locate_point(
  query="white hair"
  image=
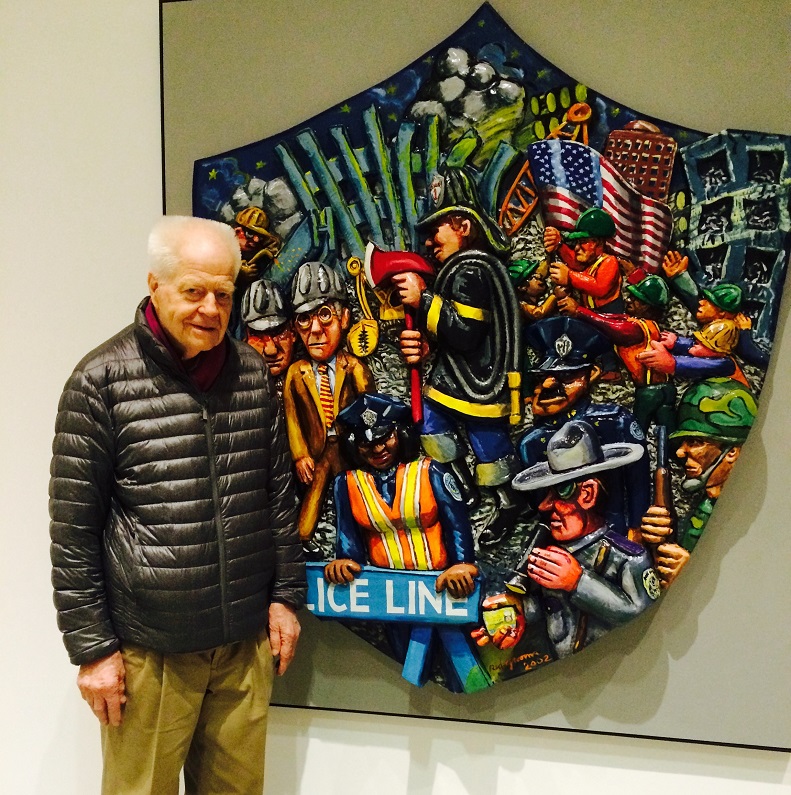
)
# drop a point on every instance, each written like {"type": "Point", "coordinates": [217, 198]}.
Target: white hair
{"type": "Point", "coordinates": [171, 232]}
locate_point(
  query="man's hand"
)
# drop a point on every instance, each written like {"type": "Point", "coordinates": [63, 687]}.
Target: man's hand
{"type": "Point", "coordinates": [554, 568]}
{"type": "Point", "coordinates": [552, 239]}
{"type": "Point", "coordinates": [414, 347]}
{"type": "Point", "coordinates": [102, 685]}
{"type": "Point", "coordinates": [341, 571]}
{"type": "Point", "coordinates": [568, 306]}
{"type": "Point", "coordinates": [673, 264]}
{"type": "Point", "coordinates": [504, 622]}
{"type": "Point", "coordinates": [670, 559]}
{"type": "Point", "coordinates": [458, 580]}
{"type": "Point", "coordinates": [658, 358]}
{"type": "Point", "coordinates": [668, 339]}
{"type": "Point", "coordinates": [657, 525]}
{"type": "Point", "coordinates": [283, 634]}
{"type": "Point", "coordinates": [559, 273]}
{"type": "Point", "coordinates": [410, 288]}
{"type": "Point", "coordinates": [305, 467]}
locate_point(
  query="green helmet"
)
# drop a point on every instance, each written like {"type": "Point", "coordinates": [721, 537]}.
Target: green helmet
{"type": "Point", "coordinates": [721, 409]}
{"type": "Point", "coordinates": [520, 270]}
{"type": "Point", "coordinates": [651, 290]}
{"type": "Point", "coordinates": [725, 296]}
{"type": "Point", "coordinates": [593, 223]}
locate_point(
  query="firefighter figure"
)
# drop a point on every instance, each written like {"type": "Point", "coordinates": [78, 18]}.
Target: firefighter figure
{"type": "Point", "coordinates": [470, 317]}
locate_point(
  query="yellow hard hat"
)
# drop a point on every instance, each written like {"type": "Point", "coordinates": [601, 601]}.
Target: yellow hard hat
{"type": "Point", "coordinates": [721, 336]}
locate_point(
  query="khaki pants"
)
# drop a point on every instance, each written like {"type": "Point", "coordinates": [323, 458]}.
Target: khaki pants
{"type": "Point", "coordinates": [205, 712]}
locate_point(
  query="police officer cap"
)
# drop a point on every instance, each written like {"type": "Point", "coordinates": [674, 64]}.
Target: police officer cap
{"type": "Point", "coordinates": [373, 416]}
{"type": "Point", "coordinates": [565, 344]}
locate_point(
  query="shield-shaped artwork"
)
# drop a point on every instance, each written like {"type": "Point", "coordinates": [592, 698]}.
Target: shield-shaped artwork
{"type": "Point", "coordinates": [519, 332]}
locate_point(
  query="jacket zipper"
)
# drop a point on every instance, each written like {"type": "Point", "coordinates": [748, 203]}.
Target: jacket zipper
{"type": "Point", "coordinates": [215, 494]}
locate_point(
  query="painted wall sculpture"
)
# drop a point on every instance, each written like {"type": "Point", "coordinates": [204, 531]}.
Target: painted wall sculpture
{"type": "Point", "coordinates": [519, 332]}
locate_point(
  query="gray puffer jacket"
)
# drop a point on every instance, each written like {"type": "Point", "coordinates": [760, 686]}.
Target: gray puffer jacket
{"type": "Point", "coordinates": [173, 510]}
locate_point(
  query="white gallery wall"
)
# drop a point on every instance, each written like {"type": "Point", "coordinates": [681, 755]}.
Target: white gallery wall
{"type": "Point", "coordinates": [80, 171]}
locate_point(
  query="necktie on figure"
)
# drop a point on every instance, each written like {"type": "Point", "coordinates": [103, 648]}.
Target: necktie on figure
{"type": "Point", "coordinates": [325, 394]}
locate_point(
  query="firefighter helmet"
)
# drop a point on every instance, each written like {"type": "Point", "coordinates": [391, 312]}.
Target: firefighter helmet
{"type": "Point", "coordinates": [254, 219]}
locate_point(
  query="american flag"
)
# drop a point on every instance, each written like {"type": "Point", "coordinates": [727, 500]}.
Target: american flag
{"type": "Point", "coordinates": [571, 177]}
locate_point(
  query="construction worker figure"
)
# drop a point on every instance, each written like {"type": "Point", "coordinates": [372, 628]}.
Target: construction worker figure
{"type": "Point", "coordinates": [319, 387]}
{"type": "Point", "coordinates": [530, 281]}
{"type": "Point", "coordinates": [588, 269]}
{"type": "Point", "coordinates": [723, 301]}
{"type": "Point", "coordinates": [592, 578]}
{"type": "Point", "coordinates": [714, 418]}
{"type": "Point", "coordinates": [632, 334]}
{"type": "Point", "coordinates": [471, 317]}
{"type": "Point", "coordinates": [568, 351]}
{"type": "Point", "coordinates": [706, 354]}
{"type": "Point", "coordinates": [268, 327]}
{"type": "Point", "coordinates": [586, 266]}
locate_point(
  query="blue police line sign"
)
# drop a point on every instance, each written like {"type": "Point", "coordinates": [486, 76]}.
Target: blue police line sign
{"type": "Point", "coordinates": [389, 595]}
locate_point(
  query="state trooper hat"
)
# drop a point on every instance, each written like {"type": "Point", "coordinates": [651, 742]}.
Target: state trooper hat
{"type": "Point", "coordinates": [574, 453]}
{"type": "Point", "coordinates": [565, 344]}
{"type": "Point", "coordinates": [373, 416]}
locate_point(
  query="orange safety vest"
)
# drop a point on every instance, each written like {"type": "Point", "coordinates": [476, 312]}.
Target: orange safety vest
{"type": "Point", "coordinates": [408, 535]}
{"type": "Point", "coordinates": [641, 375]}
{"type": "Point", "coordinates": [615, 291]}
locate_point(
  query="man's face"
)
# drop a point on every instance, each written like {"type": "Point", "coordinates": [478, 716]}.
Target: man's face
{"type": "Point", "coordinates": [707, 311]}
{"type": "Point", "coordinates": [536, 285]}
{"type": "Point", "coordinates": [194, 304]}
{"type": "Point", "coordinates": [275, 345]}
{"type": "Point", "coordinates": [321, 331]}
{"type": "Point", "coordinates": [380, 454]}
{"type": "Point", "coordinates": [249, 241]}
{"type": "Point", "coordinates": [446, 240]}
{"type": "Point", "coordinates": [587, 251]}
{"type": "Point", "coordinates": [558, 392]}
{"type": "Point", "coordinates": [697, 454]}
{"type": "Point", "coordinates": [567, 518]}
{"type": "Point", "coordinates": [634, 306]}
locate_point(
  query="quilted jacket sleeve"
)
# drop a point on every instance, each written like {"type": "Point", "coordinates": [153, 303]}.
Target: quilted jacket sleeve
{"type": "Point", "coordinates": [80, 492]}
{"type": "Point", "coordinates": [289, 584]}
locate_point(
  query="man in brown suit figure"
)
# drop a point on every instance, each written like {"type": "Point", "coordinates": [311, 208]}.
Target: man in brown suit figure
{"type": "Point", "coordinates": [319, 387]}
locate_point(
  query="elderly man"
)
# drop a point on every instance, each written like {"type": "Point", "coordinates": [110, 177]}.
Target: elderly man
{"type": "Point", "coordinates": [176, 563]}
